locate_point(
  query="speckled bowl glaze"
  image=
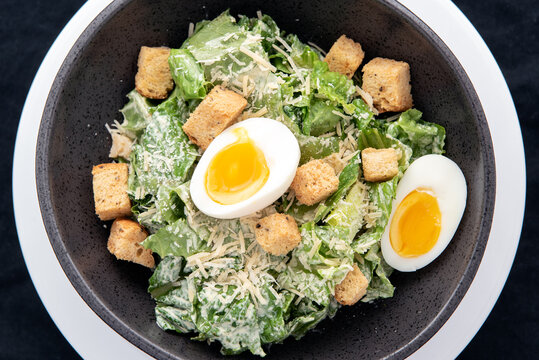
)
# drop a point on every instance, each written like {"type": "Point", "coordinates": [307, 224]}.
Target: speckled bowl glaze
{"type": "Point", "coordinates": [90, 88]}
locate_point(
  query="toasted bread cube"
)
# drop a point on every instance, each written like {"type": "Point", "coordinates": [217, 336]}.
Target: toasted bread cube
{"type": "Point", "coordinates": [219, 109]}
{"type": "Point", "coordinates": [124, 243]}
{"type": "Point", "coordinates": [314, 181]}
{"type": "Point", "coordinates": [110, 191]}
{"type": "Point", "coordinates": [352, 288]}
{"type": "Point", "coordinates": [379, 164]}
{"type": "Point", "coordinates": [277, 234]}
{"type": "Point", "coordinates": [153, 79]}
{"type": "Point", "coordinates": [388, 82]}
{"type": "Point", "coordinates": [345, 56]}
{"type": "Point", "coordinates": [121, 146]}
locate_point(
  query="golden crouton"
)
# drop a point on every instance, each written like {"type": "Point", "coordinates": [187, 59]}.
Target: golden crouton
{"type": "Point", "coordinates": [277, 234]}
{"type": "Point", "coordinates": [379, 164]}
{"type": "Point", "coordinates": [153, 79]}
{"type": "Point", "coordinates": [124, 243]}
{"type": "Point", "coordinates": [110, 191]}
{"type": "Point", "coordinates": [314, 181]}
{"type": "Point", "coordinates": [345, 56]}
{"type": "Point", "coordinates": [121, 146]}
{"type": "Point", "coordinates": [388, 82]}
{"type": "Point", "coordinates": [352, 288]}
{"type": "Point", "coordinates": [219, 109]}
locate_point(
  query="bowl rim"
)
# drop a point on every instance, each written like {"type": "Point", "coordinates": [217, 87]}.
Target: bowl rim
{"type": "Point", "coordinates": [382, 2]}
{"type": "Point", "coordinates": [139, 340]}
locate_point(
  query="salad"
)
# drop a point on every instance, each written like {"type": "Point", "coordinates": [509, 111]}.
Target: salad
{"type": "Point", "coordinates": [277, 271]}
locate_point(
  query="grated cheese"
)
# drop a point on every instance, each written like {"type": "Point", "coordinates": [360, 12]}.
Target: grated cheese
{"type": "Point", "coordinates": [191, 29]}
{"type": "Point", "coordinates": [368, 99]}
{"type": "Point", "coordinates": [338, 113]}
{"type": "Point", "coordinates": [317, 48]}
{"type": "Point", "coordinates": [258, 59]}
{"type": "Point", "coordinates": [291, 62]}
{"type": "Point", "coordinates": [236, 60]}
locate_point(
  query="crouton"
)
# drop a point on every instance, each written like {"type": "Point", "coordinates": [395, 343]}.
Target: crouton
{"type": "Point", "coordinates": [388, 82]}
{"type": "Point", "coordinates": [153, 79]}
{"type": "Point", "coordinates": [124, 243]}
{"type": "Point", "coordinates": [379, 164]}
{"type": "Point", "coordinates": [352, 288]}
{"type": "Point", "coordinates": [121, 146]}
{"type": "Point", "coordinates": [345, 56]}
{"type": "Point", "coordinates": [314, 181]}
{"type": "Point", "coordinates": [277, 234]}
{"type": "Point", "coordinates": [110, 191]}
{"type": "Point", "coordinates": [219, 109]}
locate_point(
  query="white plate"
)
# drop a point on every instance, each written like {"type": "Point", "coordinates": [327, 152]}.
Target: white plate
{"type": "Point", "coordinates": [83, 328]}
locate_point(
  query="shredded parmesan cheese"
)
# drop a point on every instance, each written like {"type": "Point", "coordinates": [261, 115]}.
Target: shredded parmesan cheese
{"type": "Point", "coordinates": [338, 113]}
{"type": "Point", "coordinates": [317, 48]}
{"type": "Point", "coordinates": [368, 99]}
{"type": "Point", "coordinates": [258, 59]}
{"type": "Point", "coordinates": [191, 29]}
{"type": "Point", "coordinates": [291, 62]}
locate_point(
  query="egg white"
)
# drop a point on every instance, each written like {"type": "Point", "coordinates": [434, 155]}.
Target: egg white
{"type": "Point", "coordinates": [282, 154]}
{"type": "Point", "coordinates": [445, 179]}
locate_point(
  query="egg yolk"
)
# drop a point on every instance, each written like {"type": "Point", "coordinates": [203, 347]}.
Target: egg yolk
{"type": "Point", "coordinates": [236, 172]}
{"type": "Point", "coordinates": [416, 224]}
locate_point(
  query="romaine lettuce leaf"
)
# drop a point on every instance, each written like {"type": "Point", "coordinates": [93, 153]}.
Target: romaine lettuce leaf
{"type": "Point", "coordinates": [177, 239]}
{"type": "Point", "coordinates": [187, 74]}
{"type": "Point", "coordinates": [349, 211]}
{"type": "Point", "coordinates": [313, 147]}
{"type": "Point", "coordinates": [137, 113]}
{"type": "Point", "coordinates": [423, 137]}
{"type": "Point", "coordinates": [308, 314]}
{"type": "Point", "coordinates": [164, 155]}
{"type": "Point", "coordinates": [373, 266]}
{"type": "Point", "coordinates": [320, 262]}
{"type": "Point", "coordinates": [333, 86]}
{"type": "Point", "coordinates": [347, 178]}
{"type": "Point", "coordinates": [320, 118]}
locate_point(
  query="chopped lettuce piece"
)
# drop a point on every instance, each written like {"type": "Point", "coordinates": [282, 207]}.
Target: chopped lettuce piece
{"type": "Point", "coordinates": [333, 86]}
{"type": "Point", "coordinates": [373, 266]}
{"type": "Point", "coordinates": [187, 74]}
{"type": "Point", "coordinates": [320, 262]}
{"type": "Point", "coordinates": [177, 239]}
{"type": "Point", "coordinates": [137, 113]}
{"type": "Point", "coordinates": [321, 118]}
{"type": "Point", "coordinates": [313, 147]}
{"type": "Point", "coordinates": [164, 155]}
{"type": "Point", "coordinates": [423, 137]}
{"type": "Point", "coordinates": [349, 212]}
{"type": "Point", "coordinates": [347, 178]}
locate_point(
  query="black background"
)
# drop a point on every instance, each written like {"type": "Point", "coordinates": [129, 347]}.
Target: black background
{"type": "Point", "coordinates": [510, 29]}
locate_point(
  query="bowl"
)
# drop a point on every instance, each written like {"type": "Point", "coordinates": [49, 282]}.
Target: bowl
{"type": "Point", "coordinates": [90, 88]}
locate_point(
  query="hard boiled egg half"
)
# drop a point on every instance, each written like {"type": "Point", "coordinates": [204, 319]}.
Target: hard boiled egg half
{"type": "Point", "coordinates": [426, 212]}
{"type": "Point", "coordinates": [245, 169]}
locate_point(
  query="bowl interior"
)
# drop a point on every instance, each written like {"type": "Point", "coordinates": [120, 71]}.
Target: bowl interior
{"type": "Point", "coordinates": [91, 87]}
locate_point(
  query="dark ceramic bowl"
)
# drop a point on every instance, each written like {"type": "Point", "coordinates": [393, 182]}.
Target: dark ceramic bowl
{"type": "Point", "coordinates": [91, 86]}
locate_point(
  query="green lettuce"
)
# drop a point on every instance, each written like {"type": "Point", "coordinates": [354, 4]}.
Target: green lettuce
{"type": "Point", "coordinates": [373, 266]}
{"type": "Point", "coordinates": [163, 155]}
{"type": "Point", "coordinates": [333, 86]}
{"type": "Point", "coordinates": [187, 74]}
{"type": "Point", "coordinates": [320, 118]}
{"type": "Point", "coordinates": [313, 147]}
{"type": "Point", "coordinates": [423, 137]}
{"type": "Point", "coordinates": [137, 113]}
{"type": "Point", "coordinates": [176, 239]}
